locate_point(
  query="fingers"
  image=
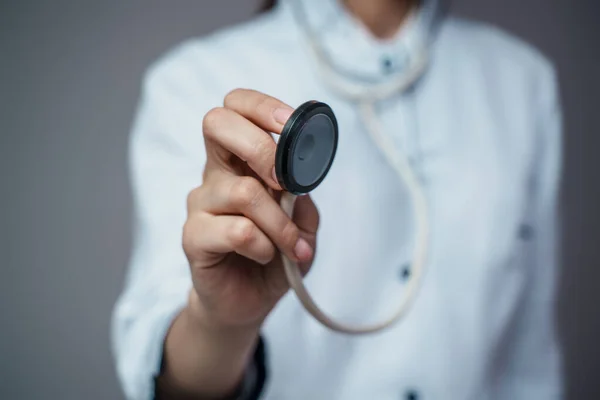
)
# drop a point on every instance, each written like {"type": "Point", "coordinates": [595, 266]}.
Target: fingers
{"type": "Point", "coordinates": [227, 132]}
{"type": "Point", "coordinates": [207, 234]}
{"type": "Point", "coordinates": [238, 131]}
{"type": "Point", "coordinates": [227, 194]}
{"type": "Point", "coordinates": [265, 111]}
{"type": "Point", "coordinates": [239, 128]}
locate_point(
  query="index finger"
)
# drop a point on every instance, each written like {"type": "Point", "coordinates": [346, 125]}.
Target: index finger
{"type": "Point", "coordinates": [264, 111]}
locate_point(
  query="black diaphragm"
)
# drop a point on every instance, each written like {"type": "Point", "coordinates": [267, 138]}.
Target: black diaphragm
{"type": "Point", "coordinates": [306, 147]}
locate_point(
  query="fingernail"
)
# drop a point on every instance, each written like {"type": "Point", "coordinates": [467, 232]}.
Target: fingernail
{"type": "Point", "coordinates": [302, 250]}
{"type": "Point", "coordinates": [274, 175]}
{"type": "Point", "coordinates": [281, 115]}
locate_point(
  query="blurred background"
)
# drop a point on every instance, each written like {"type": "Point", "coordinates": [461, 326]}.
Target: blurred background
{"type": "Point", "coordinates": [70, 76]}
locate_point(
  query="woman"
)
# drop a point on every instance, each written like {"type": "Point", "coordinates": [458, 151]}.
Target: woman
{"type": "Point", "coordinates": [480, 125]}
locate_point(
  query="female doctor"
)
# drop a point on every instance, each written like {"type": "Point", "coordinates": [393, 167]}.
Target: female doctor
{"type": "Point", "coordinates": [207, 312]}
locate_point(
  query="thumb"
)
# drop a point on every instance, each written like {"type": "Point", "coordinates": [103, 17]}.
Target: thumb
{"type": "Point", "coordinates": [306, 215]}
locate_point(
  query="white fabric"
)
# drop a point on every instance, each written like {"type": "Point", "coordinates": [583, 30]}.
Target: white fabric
{"type": "Point", "coordinates": [482, 131]}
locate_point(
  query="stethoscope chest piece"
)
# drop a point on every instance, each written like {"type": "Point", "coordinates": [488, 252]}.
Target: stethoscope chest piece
{"type": "Point", "coordinates": [306, 147]}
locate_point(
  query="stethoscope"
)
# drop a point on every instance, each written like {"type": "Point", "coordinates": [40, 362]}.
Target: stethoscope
{"type": "Point", "coordinates": [306, 150]}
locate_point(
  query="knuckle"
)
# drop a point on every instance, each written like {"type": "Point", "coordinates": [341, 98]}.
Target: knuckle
{"type": "Point", "coordinates": [212, 120]}
{"type": "Point", "coordinates": [246, 192]}
{"type": "Point", "coordinates": [242, 233]}
{"type": "Point", "coordinates": [193, 197]}
{"type": "Point", "coordinates": [189, 237]}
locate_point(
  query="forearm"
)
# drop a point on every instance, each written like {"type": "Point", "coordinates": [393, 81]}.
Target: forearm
{"type": "Point", "coordinates": [203, 359]}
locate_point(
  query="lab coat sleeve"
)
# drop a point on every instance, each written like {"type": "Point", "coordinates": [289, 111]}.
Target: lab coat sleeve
{"type": "Point", "coordinates": [533, 365]}
{"type": "Point", "coordinates": [166, 162]}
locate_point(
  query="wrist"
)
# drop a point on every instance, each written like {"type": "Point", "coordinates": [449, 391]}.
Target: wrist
{"type": "Point", "coordinates": [205, 357]}
{"type": "Point", "coordinates": [238, 341]}
{"type": "Point", "coordinates": [203, 319]}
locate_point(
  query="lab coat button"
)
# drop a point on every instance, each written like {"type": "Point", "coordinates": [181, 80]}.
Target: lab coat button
{"type": "Point", "coordinates": [525, 232]}
{"type": "Point", "coordinates": [405, 271]}
{"type": "Point", "coordinates": [387, 64]}
{"type": "Point", "coordinates": [411, 395]}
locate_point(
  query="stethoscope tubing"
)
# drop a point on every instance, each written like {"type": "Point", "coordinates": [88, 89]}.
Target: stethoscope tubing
{"type": "Point", "coordinates": [365, 98]}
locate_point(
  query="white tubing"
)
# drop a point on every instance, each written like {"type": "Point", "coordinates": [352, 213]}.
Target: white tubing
{"type": "Point", "coordinates": [365, 97]}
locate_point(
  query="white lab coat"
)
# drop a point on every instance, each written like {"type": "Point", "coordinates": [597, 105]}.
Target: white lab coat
{"type": "Point", "coordinates": [482, 131]}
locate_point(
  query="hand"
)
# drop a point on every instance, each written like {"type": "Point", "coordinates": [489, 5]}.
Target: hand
{"type": "Point", "coordinates": [235, 226]}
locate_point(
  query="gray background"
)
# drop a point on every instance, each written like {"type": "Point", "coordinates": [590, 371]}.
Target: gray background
{"type": "Point", "coordinates": [69, 80]}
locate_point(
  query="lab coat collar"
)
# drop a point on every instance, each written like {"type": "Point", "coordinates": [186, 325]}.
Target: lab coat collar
{"type": "Point", "coordinates": [353, 50]}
